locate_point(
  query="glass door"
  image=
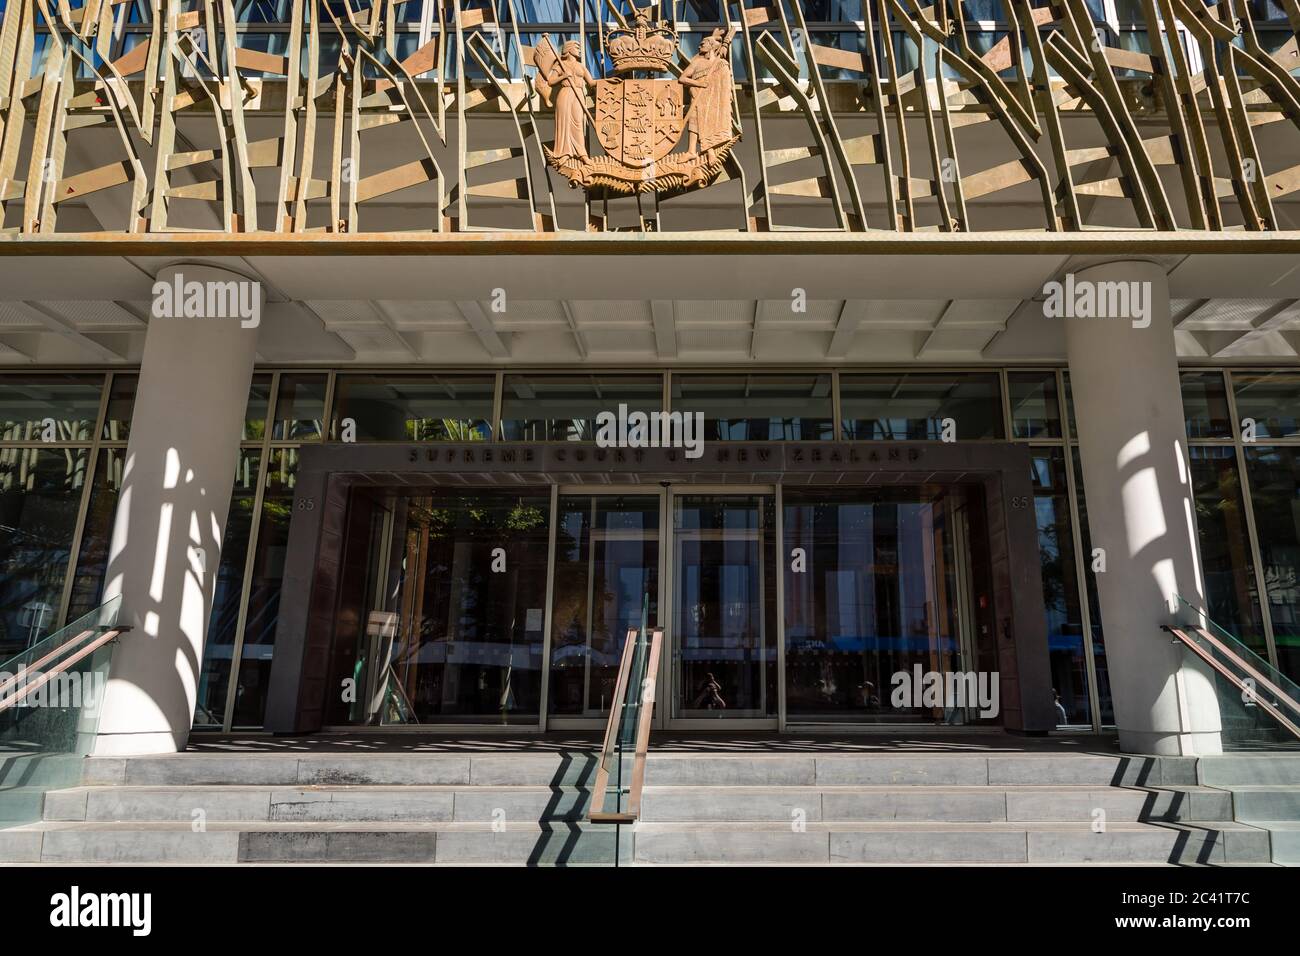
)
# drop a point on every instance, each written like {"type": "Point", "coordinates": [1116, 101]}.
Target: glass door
{"type": "Point", "coordinates": [606, 577]}
{"type": "Point", "coordinates": [441, 614]}
{"type": "Point", "coordinates": [881, 603]}
{"type": "Point", "coordinates": [723, 623]}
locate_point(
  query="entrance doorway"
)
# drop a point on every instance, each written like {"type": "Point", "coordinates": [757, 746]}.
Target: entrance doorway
{"type": "Point", "coordinates": [781, 606]}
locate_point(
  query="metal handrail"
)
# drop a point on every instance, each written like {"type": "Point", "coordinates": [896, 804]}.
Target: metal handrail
{"type": "Point", "coordinates": [38, 664]}
{"type": "Point", "coordinates": [1269, 707]}
{"type": "Point", "coordinates": [46, 676]}
{"type": "Point", "coordinates": [616, 715]}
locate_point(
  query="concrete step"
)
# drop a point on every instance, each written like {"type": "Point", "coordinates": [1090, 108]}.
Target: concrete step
{"type": "Point", "coordinates": [521, 808]}
{"type": "Point", "coordinates": [693, 770]}
{"type": "Point", "coordinates": [1285, 836]}
{"type": "Point", "coordinates": [920, 804]}
{"type": "Point", "coordinates": [29, 769]}
{"type": "Point", "coordinates": [369, 804]}
{"type": "Point", "coordinates": [578, 768]}
{"type": "Point", "coordinates": [20, 805]}
{"type": "Point", "coordinates": [660, 804]}
{"type": "Point", "coordinates": [559, 844]}
{"type": "Point", "coordinates": [1250, 769]}
{"type": "Point", "coordinates": [654, 843]}
{"type": "Point", "coordinates": [1266, 802]}
{"type": "Point", "coordinates": [993, 843]}
{"type": "Point", "coordinates": [190, 769]}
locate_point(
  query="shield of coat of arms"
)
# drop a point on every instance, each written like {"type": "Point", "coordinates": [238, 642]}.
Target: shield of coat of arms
{"type": "Point", "coordinates": [638, 122]}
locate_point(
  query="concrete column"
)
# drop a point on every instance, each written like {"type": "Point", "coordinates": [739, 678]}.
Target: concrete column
{"type": "Point", "coordinates": [1124, 377]}
{"type": "Point", "coordinates": [167, 535]}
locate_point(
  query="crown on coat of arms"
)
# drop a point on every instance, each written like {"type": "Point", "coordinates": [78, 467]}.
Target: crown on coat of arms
{"type": "Point", "coordinates": [645, 45]}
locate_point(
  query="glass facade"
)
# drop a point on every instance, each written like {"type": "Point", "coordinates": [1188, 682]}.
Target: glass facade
{"type": "Point", "coordinates": [61, 450]}
{"type": "Point", "coordinates": [758, 407]}
{"type": "Point", "coordinates": [285, 410]}
{"type": "Point", "coordinates": [62, 456]}
{"type": "Point", "coordinates": [921, 406]}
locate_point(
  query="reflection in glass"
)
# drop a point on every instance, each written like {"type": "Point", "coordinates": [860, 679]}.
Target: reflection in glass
{"type": "Point", "coordinates": [606, 566]}
{"type": "Point", "coordinates": [564, 407]}
{"type": "Point", "coordinates": [919, 406]}
{"type": "Point", "coordinates": [1035, 412]}
{"type": "Point", "coordinates": [218, 650]}
{"type": "Point", "coordinates": [264, 588]}
{"type": "Point", "coordinates": [758, 407]}
{"type": "Point", "coordinates": [1271, 400]}
{"type": "Point", "coordinates": [1275, 496]}
{"type": "Point", "coordinates": [1205, 405]}
{"type": "Point", "coordinates": [40, 495]}
{"type": "Point", "coordinates": [883, 586]}
{"type": "Point", "coordinates": [259, 403]}
{"type": "Point", "coordinates": [121, 403]}
{"type": "Point", "coordinates": [300, 408]}
{"type": "Point", "coordinates": [452, 630]}
{"type": "Point", "coordinates": [414, 407]}
{"type": "Point", "coordinates": [1060, 588]}
{"type": "Point", "coordinates": [36, 407]}
{"type": "Point", "coordinates": [1231, 595]}
{"type": "Point", "coordinates": [1104, 704]}
{"type": "Point", "coordinates": [724, 606]}
{"type": "Point", "coordinates": [96, 536]}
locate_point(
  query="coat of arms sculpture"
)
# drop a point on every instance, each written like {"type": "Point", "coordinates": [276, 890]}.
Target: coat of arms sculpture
{"type": "Point", "coordinates": [640, 121]}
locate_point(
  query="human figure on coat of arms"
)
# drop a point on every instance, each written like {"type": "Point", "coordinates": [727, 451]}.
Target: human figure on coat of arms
{"type": "Point", "coordinates": [572, 78]}
{"type": "Point", "coordinates": [708, 77]}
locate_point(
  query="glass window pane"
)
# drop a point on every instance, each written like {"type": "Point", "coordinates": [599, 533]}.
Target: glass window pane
{"type": "Point", "coordinates": [564, 407]}
{"type": "Point", "coordinates": [40, 494]}
{"type": "Point", "coordinates": [264, 588]}
{"type": "Point", "coordinates": [259, 402]}
{"type": "Point", "coordinates": [300, 408]}
{"type": "Point", "coordinates": [1060, 588]}
{"type": "Point", "coordinates": [1275, 496]}
{"type": "Point", "coordinates": [1271, 400]}
{"type": "Point", "coordinates": [454, 632]}
{"type": "Point", "coordinates": [65, 406]}
{"type": "Point", "coordinates": [210, 710]}
{"type": "Point", "coordinates": [96, 536]}
{"type": "Point", "coordinates": [1104, 703]}
{"type": "Point", "coordinates": [1205, 405]}
{"type": "Point", "coordinates": [414, 407]}
{"type": "Point", "coordinates": [1231, 595]}
{"type": "Point", "coordinates": [1035, 412]}
{"type": "Point", "coordinates": [758, 407]}
{"type": "Point", "coordinates": [121, 403]}
{"type": "Point", "coordinates": [1069, 407]}
{"type": "Point", "coordinates": [924, 406]}
{"type": "Point", "coordinates": [880, 593]}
